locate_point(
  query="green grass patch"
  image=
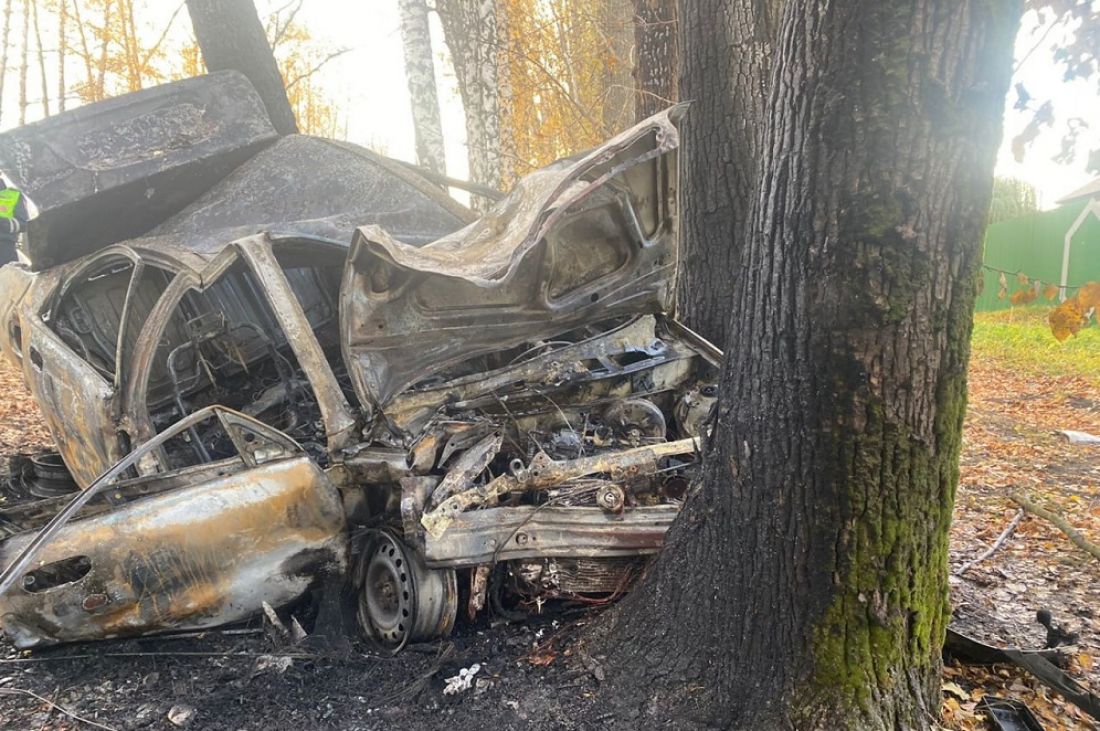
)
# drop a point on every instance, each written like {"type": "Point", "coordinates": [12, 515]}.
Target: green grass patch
{"type": "Point", "coordinates": [1021, 338]}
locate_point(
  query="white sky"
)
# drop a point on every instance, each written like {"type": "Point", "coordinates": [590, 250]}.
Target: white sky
{"type": "Point", "coordinates": [1071, 99]}
{"type": "Point", "coordinates": [368, 83]}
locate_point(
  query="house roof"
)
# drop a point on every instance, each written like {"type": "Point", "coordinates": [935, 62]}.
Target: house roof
{"type": "Point", "coordinates": [1088, 190]}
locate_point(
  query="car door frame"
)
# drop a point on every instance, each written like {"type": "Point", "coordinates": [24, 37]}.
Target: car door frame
{"type": "Point", "coordinates": [82, 408]}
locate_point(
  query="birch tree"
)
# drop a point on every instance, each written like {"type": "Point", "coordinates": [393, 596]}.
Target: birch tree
{"type": "Point", "coordinates": [474, 36]}
{"type": "Point", "coordinates": [420, 74]}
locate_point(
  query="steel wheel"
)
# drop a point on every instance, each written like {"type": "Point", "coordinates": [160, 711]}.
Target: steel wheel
{"type": "Point", "coordinates": [400, 600]}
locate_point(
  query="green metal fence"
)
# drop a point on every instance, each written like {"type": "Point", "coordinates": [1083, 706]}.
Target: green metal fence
{"type": "Point", "coordinates": [1033, 245]}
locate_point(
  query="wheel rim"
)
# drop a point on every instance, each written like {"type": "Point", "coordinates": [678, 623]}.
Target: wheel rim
{"type": "Point", "coordinates": [400, 600]}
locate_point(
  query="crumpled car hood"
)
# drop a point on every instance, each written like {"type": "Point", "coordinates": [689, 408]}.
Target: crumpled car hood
{"type": "Point", "coordinates": [584, 239]}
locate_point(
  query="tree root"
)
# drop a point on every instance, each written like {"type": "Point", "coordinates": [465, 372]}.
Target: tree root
{"type": "Point", "coordinates": [1059, 522]}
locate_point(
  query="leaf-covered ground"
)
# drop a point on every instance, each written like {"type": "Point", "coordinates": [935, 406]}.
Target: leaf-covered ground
{"type": "Point", "coordinates": [1024, 386]}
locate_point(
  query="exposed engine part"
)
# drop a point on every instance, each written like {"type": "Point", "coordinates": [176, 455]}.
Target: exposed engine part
{"type": "Point", "coordinates": [675, 487]}
{"type": "Point", "coordinates": [468, 466]}
{"type": "Point", "coordinates": [578, 491]}
{"type": "Point", "coordinates": [575, 577]}
{"type": "Point", "coordinates": [636, 421]}
{"type": "Point", "coordinates": [611, 498]}
{"type": "Point", "coordinates": [399, 599]}
{"type": "Point", "coordinates": [543, 472]}
{"type": "Point", "coordinates": [695, 409]}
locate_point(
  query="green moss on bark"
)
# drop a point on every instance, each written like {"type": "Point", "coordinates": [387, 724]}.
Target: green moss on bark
{"type": "Point", "coordinates": [888, 616]}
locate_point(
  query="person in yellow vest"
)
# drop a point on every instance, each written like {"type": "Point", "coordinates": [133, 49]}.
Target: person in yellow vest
{"type": "Point", "coordinates": [16, 211]}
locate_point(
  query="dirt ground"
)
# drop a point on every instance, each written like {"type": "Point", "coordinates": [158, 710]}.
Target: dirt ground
{"type": "Point", "coordinates": [246, 680]}
{"type": "Point", "coordinates": [1011, 442]}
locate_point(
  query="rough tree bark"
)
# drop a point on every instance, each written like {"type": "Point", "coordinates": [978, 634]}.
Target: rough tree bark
{"type": "Point", "coordinates": [805, 584]}
{"type": "Point", "coordinates": [231, 36]}
{"type": "Point", "coordinates": [472, 29]}
{"type": "Point", "coordinates": [420, 74]}
{"type": "Point", "coordinates": [733, 42]}
{"type": "Point", "coordinates": [656, 56]}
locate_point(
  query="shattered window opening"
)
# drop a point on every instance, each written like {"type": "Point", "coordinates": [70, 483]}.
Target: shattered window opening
{"type": "Point", "coordinates": [223, 345]}
{"type": "Point", "coordinates": [101, 314]}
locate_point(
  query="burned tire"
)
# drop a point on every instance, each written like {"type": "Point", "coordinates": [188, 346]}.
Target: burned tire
{"type": "Point", "coordinates": [399, 600]}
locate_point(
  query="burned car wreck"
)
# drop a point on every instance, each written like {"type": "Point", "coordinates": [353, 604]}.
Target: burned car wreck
{"type": "Point", "coordinates": [316, 363]}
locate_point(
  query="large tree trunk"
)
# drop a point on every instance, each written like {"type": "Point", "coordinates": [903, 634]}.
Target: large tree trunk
{"type": "Point", "coordinates": [656, 56]}
{"type": "Point", "coordinates": [473, 31]}
{"type": "Point", "coordinates": [420, 74]}
{"type": "Point", "coordinates": [725, 77]}
{"type": "Point", "coordinates": [805, 584]}
{"type": "Point", "coordinates": [231, 36]}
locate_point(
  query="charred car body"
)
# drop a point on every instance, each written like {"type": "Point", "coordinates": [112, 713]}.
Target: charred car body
{"type": "Point", "coordinates": [297, 358]}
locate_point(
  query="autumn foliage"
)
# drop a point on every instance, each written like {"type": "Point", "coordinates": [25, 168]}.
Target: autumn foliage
{"type": "Point", "coordinates": [84, 51]}
{"type": "Point", "coordinates": [1068, 317]}
{"type": "Point", "coordinates": [565, 74]}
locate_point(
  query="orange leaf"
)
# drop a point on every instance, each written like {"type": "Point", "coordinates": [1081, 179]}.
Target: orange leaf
{"type": "Point", "coordinates": [1051, 291]}
{"type": "Point", "coordinates": [1066, 319]}
{"type": "Point", "coordinates": [1089, 295]}
{"type": "Point", "coordinates": [1022, 296]}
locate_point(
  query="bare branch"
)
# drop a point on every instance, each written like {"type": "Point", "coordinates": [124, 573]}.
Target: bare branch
{"type": "Point", "coordinates": [1059, 522]}
{"type": "Point", "coordinates": [996, 544]}
{"type": "Point", "coordinates": [305, 75]}
{"type": "Point", "coordinates": [280, 30]}
{"type": "Point", "coordinates": [164, 34]}
{"type": "Point", "coordinates": [47, 701]}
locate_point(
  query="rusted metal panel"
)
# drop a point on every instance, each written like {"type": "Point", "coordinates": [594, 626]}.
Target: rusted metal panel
{"type": "Point", "coordinates": [76, 401]}
{"type": "Point", "coordinates": [502, 534]}
{"type": "Point", "coordinates": [335, 410]}
{"type": "Point", "coordinates": [192, 558]}
{"type": "Point", "coordinates": [578, 241]}
{"type": "Point", "coordinates": [544, 472]}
